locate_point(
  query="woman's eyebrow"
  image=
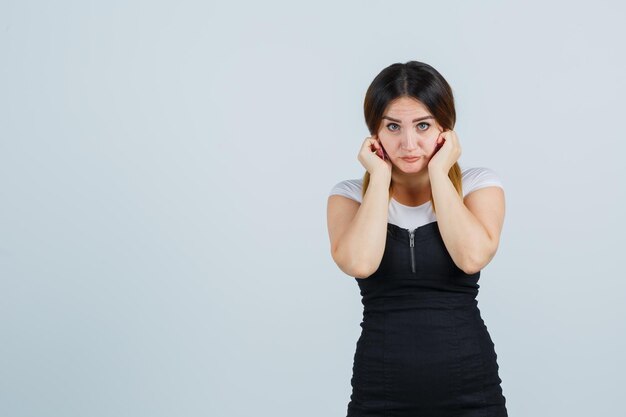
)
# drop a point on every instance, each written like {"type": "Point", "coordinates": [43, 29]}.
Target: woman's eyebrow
{"type": "Point", "coordinates": [414, 120]}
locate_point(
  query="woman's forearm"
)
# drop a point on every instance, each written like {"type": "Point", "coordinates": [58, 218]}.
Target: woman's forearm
{"type": "Point", "coordinates": [465, 238]}
{"type": "Point", "coordinates": [363, 244]}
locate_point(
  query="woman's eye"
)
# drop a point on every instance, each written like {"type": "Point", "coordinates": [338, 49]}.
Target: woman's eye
{"type": "Point", "coordinates": [392, 124]}
{"type": "Point", "coordinates": [427, 125]}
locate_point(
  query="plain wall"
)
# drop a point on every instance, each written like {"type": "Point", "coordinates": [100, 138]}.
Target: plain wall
{"type": "Point", "coordinates": [164, 172]}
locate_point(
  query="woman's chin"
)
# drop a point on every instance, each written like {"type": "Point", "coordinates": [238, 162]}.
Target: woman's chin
{"type": "Point", "coordinates": [411, 168]}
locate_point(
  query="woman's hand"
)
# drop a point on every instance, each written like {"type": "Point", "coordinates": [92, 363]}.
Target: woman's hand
{"type": "Point", "coordinates": [370, 159]}
{"type": "Point", "coordinates": [447, 155]}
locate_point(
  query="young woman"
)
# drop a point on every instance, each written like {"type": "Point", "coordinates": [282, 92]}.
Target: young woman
{"type": "Point", "coordinates": [415, 233]}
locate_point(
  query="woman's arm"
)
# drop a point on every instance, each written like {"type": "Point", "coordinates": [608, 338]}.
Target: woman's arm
{"type": "Point", "coordinates": [469, 227]}
{"type": "Point", "coordinates": [358, 246]}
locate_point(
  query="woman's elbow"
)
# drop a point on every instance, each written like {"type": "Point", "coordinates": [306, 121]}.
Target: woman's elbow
{"type": "Point", "coordinates": [350, 266]}
{"type": "Point", "coordinates": [478, 262]}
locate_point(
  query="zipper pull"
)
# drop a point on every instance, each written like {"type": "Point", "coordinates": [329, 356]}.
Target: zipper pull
{"type": "Point", "coordinates": [412, 244]}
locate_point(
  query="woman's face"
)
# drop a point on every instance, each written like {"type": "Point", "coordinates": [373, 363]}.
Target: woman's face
{"type": "Point", "coordinates": [408, 129]}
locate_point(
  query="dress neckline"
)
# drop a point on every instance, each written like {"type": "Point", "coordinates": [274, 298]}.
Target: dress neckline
{"type": "Point", "coordinates": [402, 233]}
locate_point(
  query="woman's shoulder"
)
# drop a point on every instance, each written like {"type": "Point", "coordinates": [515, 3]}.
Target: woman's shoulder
{"type": "Point", "coordinates": [350, 188]}
{"type": "Point", "coordinates": [475, 178]}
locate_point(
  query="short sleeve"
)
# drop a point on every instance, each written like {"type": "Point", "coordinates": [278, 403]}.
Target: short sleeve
{"type": "Point", "coordinates": [348, 188]}
{"type": "Point", "coordinates": [479, 177]}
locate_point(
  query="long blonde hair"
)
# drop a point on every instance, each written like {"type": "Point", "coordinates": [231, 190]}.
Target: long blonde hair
{"type": "Point", "coordinates": [419, 81]}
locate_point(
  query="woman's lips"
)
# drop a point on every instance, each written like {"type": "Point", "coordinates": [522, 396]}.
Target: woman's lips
{"type": "Point", "coordinates": [411, 159]}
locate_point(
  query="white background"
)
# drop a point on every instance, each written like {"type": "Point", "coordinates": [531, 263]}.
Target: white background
{"type": "Point", "coordinates": [164, 172]}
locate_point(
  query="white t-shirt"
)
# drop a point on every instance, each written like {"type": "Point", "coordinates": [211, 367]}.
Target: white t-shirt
{"type": "Point", "coordinates": [409, 217]}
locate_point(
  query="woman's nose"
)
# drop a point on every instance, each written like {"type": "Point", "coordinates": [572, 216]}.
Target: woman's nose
{"type": "Point", "coordinates": [410, 141]}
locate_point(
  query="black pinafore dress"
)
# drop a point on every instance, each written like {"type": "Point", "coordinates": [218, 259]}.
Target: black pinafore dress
{"type": "Point", "coordinates": [424, 349]}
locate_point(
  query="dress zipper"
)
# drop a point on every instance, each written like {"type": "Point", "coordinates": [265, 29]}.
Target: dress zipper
{"type": "Point", "coordinates": [412, 244]}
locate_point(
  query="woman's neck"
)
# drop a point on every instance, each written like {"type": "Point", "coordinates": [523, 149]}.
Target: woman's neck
{"type": "Point", "coordinates": [411, 189]}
